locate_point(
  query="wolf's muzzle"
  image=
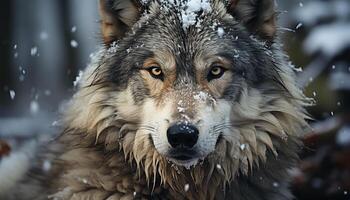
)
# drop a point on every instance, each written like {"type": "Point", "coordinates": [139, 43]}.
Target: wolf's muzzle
{"type": "Point", "coordinates": [182, 135]}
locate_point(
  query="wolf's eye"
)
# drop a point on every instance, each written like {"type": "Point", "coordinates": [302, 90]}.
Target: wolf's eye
{"type": "Point", "coordinates": [216, 72]}
{"type": "Point", "coordinates": [156, 72]}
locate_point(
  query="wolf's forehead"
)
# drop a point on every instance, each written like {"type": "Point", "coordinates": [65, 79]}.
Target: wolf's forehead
{"type": "Point", "coordinates": [182, 48]}
{"type": "Point", "coordinates": [179, 31]}
{"type": "Point", "coordinates": [186, 15]}
{"type": "Point", "coordinates": [188, 11]}
{"type": "Point", "coordinates": [185, 35]}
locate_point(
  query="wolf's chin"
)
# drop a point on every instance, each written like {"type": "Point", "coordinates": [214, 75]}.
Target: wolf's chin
{"type": "Point", "coordinates": [185, 163]}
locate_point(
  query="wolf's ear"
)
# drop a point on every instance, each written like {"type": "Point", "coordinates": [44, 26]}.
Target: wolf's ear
{"type": "Point", "coordinates": [259, 16]}
{"type": "Point", "coordinates": [117, 17]}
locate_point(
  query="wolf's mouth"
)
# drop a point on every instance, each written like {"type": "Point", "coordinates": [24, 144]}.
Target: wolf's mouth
{"type": "Point", "coordinates": [183, 156]}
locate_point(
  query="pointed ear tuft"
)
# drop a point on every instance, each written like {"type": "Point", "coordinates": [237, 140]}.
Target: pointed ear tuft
{"type": "Point", "coordinates": [259, 16]}
{"type": "Point", "coordinates": [117, 17]}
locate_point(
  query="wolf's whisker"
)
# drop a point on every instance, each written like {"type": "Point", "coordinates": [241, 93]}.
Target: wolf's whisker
{"type": "Point", "coordinates": [149, 127]}
{"type": "Point", "coordinates": [222, 128]}
{"type": "Point", "coordinates": [146, 129]}
{"type": "Point", "coordinates": [146, 125]}
{"type": "Point", "coordinates": [225, 123]}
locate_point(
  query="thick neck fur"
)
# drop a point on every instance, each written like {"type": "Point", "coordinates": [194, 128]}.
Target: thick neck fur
{"type": "Point", "coordinates": [105, 155]}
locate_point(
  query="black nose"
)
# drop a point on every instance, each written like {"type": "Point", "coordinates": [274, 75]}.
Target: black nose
{"type": "Point", "coordinates": [182, 135]}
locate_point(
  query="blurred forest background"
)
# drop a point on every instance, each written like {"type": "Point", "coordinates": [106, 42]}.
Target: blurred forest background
{"type": "Point", "coordinates": [45, 43]}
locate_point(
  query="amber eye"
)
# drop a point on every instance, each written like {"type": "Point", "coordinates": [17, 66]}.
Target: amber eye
{"type": "Point", "coordinates": [156, 72]}
{"type": "Point", "coordinates": [216, 72]}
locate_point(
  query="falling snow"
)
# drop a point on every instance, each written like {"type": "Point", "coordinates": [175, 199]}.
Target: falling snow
{"type": "Point", "coordinates": [275, 184]}
{"type": "Point", "coordinates": [44, 35]}
{"type": "Point", "coordinates": [47, 92]}
{"type": "Point", "coordinates": [74, 43]}
{"type": "Point", "coordinates": [34, 51]}
{"type": "Point", "coordinates": [287, 29]}
{"type": "Point", "coordinates": [297, 69]}
{"type": "Point", "coordinates": [54, 123]}
{"type": "Point", "coordinates": [311, 79]}
{"type": "Point", "coordinates": [299, 25]}
{"type": "Point", "coordinates": [46, 165]}
{"type": "Point", "coordinates": [73, 29]}
{"type": "Point", "coordinates": [187, 187]}
{"type": "Point", "coordinates": [34, 107]}
{"type": "Point", "coordinates": [343, 136]}
{"type": "Point", "coordinates": [22, 73]}
{"type": "Point", "coordinates": [12, 94]}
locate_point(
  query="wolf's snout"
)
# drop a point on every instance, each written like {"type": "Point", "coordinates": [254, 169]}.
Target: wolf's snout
{"type": "Point", "coordinates": [182, 135]}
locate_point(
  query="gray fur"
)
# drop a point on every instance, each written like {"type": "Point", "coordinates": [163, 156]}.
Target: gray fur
{"type": "Point", "coordinates": [101, 154]}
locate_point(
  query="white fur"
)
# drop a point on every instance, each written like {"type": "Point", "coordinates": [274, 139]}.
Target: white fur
{"type": "Point", "coordinates": [14, 167]}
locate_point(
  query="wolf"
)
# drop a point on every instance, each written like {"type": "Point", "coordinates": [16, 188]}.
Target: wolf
{"type": "Point", "coordinates": [185, 99]}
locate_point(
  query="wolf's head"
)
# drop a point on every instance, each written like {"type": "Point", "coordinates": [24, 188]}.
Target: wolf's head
{"type": "Point", "coordinates": [188, 81]}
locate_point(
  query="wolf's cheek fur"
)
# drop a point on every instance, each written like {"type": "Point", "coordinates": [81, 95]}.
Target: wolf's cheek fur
{"type": "Point", "coordinates": [214, 122]}
{"type": "Point", "coordinates": [155, 120]}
